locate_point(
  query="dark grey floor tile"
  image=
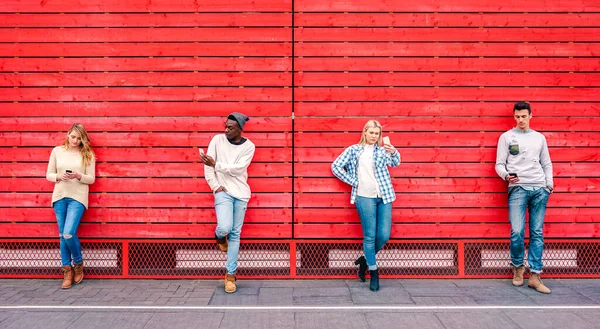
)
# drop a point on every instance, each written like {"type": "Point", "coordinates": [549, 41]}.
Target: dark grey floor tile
{"type": "Point", "coordinates": [533, 319]}
{"type": "Point", "coordinates": [476, 320]}
{"type": "Point", "coordinates": [590, 315]}
{"type": "Point", "coordinates": [117, 320]}
{"type": "Point", "coordinates": [276, 296]}
{"type": "Point", "coordinates": [387, 295]}
{"type": "Point", "coordinates": [192, 320]}
{"type": "Point", "coordinates": [257, 320]}
{"type": "Point", "coordinates": [304, 284]}
{"type": "Point", "coordinates": [403, 320]}
{"type": "Point", "coordinates": [220, 297]}
{"type": "Point", "coordinates": [318, 292]}
{"type": "Point", "coordinates": [563, 300]}
{"type": "Point", "coordinates": [440, 301]}
{"type": "Point", "coordinates": [45, 320]}
{"type": "Point", "coordinates": [330, 319]}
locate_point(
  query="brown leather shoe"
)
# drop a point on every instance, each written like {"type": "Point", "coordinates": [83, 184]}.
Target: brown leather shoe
{"type": "Point", "coordinates": [67, 277]}
{"type": "Point", "coordinates": [536, 283]}
{"type": "Point", "coordinates": [222, 242]}
{"type": "Point", "coordinates": [230, 286]}
{"type": "Point", "coordinates": [517, 280]}
{"type": "Point", "coordinates": [78, 270]}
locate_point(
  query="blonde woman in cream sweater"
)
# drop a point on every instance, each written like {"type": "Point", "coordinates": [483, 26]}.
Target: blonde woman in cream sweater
{"type": "Point", "coordinates": [72, 170]}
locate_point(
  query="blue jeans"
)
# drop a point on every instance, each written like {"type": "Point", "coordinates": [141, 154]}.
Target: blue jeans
{"type": "Point", "coordinates": [230, 218]}
{"type": "Point", "coordinates": [68, 215]}
{"type": "Point", "coordinates": [376, 220]}
{"type": "Point", "coordinates": [519, 200]}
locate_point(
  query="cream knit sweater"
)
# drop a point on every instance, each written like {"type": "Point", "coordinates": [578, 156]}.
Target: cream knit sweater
{"type": "Point", "coordinates": [61, 160]}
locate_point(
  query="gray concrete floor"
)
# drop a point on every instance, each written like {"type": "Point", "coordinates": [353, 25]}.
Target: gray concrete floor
{"type": "Point", "coordinates": [298, 304]}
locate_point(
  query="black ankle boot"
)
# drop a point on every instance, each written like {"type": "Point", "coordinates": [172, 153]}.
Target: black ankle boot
{"type": "Point", "coordinates": [362, 268]}
{"type": "Point", "coordinates": [374, 286]}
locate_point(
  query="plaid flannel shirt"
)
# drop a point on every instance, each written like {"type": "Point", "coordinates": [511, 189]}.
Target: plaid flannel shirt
{"type": "Point", "coordinates": [345, 167]}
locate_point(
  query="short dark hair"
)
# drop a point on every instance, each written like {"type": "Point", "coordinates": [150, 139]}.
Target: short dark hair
{"type": "Point", "coordinates": [522, 106]}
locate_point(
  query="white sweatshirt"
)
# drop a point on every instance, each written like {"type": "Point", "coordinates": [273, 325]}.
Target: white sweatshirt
{"type": "Point", "coordinates": [231, 168]}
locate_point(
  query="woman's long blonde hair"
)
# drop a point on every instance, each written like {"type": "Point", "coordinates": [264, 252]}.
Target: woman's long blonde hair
{"type": "Point", "coordinates": [85, 148]}
{"type": "Point", "coordinates": [371, 124]}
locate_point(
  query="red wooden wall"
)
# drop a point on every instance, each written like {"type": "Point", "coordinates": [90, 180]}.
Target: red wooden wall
{"type": "Point", "coordinates": [153, 80]}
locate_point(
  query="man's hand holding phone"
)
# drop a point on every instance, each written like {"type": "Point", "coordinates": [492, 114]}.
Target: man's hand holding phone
{"type": "Point", "coordinates": [206, 159]}
{"type": "Point", "coordinates": [512, 178]}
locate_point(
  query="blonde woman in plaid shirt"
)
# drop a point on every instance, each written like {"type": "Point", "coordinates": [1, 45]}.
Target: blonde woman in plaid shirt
{"type": "Point", "coordinates": [364, 166]}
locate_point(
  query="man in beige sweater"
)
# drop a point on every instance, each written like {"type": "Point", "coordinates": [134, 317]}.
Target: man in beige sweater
{"type": "Point", "coordinates": [225, 169]}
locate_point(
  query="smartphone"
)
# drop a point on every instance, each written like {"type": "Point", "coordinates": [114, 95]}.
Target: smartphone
{"type": "Point", "coordinates": [201, 151]}
{"type": "Point", "coordinates": [69, 171]}
{"type": "Point", "coordinates": [386, 140]}
{"type": "Point", "coordinates": [513, 174]}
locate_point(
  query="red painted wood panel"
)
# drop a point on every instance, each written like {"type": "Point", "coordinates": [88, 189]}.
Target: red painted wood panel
{"type": "Point", "coordinates": [445, 34]}
{"type": "Point", "coordinates": [145, 94]}
{"type": "Point", "coordinates": [206, 49]}
{"type": "Point", "coordinates": [166, 34]}
{"type": "Point", "coordinates": [443, 154]}
{"type": "Point", "coordinates": [456, 109]}
{"type": "Point", "coordinates": [131, 6]}
{"type": "Point", "coordinates": [144, 215]}
{"type": "Point", "coordinates": [467, 64]}
{"type": "Point", "coordinates": [446, 200]}
{"type": "Point", "coordinates": [445, 185]}
{"type": "Point", "coordinates": [416, 94]}
{"type": "Point", "coordinates": [309, 79]}
{"type": "Point", "coordinates": [152, 183]}
{"type": "Point", "coordinates": [213, 64]}
{"type": "Point", "coordinates": [145, 109]}
{"type": "Point", "coordinates": [142, 139]}
{"type": "Point", "coordinates": [496, 19]}
{"type": "Point", "coordinates": [171, 19]}
{"type": "Point", "coordinates": [151, 200]}
{"type": "Point", "coordinates": [475, 170]}
{"type": "Point", "coordinates": [144, 231]}
{"type": "Point", "coordinates": [403, 213]}
{"type": "Point", "coordinates": [146, 169]}
{"type": "Point", "coordinates": [159, 79]}
{"type": "Point", "coordinates": [442, 139]}
{"type": "Point", "coordinates": [140, 124]}
{"type": "Point", "coordinates": [445, 124]}
{"type": "Point", "coordinates": [449, 231]}
{"type": "Point", "coordinates": [129, 154]}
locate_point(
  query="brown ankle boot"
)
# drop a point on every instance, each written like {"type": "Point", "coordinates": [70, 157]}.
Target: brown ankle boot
{"type": "Point", "coordinates": [517, 275]}
{"type": "Point", "coordinates": [230, 286]}
{"type": "Point", "coordinates": [67, 277]}
{"type": "Point", "coordinates": [222, 242]}
{"type": "Point", "coordinates": [536, 283]}
{"type": "Point", "coordinates": [78, 270]}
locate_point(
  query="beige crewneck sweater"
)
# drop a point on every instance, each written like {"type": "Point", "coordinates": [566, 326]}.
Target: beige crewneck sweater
{"type": "Point", "coordinates": [61, 160]}
{"type": "Point", "coordinates": [231, 169]}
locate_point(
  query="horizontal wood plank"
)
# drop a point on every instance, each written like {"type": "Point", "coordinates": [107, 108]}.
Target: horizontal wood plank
{"type": "Point", "coordinates": [434, 154]}
{"type": "Point", "coordinates": [130, 154]}
{"type": "Point", "coordinates": [424, 64]}
{"type": "Point", "coordinates": [431, 108]}
{"type": "Point", "coordinates": [446, 200]}
{"type": "Point", "coordinates": [93, 124]}
{"type": "Point", "coordinates": [447, 6]}
{"type": "Point", "coordinates": [417, 19]}
{"type": "Point", "coordinates": [159, 139]}
{"type": "Point", "coordinates": [145, 108]}
{"type": "Point", "coordinates": [149, 200]}
{"type": "Point", "coordinates": [145, 231]}
{"type": "Point", "coordinates": [403, 213]}
{"type": "Point", "coordinates": [160, 19]}
{"type": "Point", "coordinates": [144, 215]}
{"type": "Point", "coordinates": [442, 34]}
{"type": "Point", "coordinates": [448, 231]}
{"type": "Point", "coordinates": [133, 6]}
{"type": "Point", "coordinates": [441, 139]}
{"type": "Point", "coordinates": [213, 64]}
{"type": "Point", "coordinates": [146, 170]}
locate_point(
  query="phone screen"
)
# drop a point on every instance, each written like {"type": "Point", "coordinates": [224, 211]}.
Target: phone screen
{"type": "Point", "coordinates": [69, 171]}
